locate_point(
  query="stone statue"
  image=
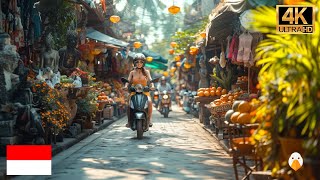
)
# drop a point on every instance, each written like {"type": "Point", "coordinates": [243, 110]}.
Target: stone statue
{"type": "Point", "coordinates": [9, 60]}
{"type": "Point", "coordinates": [69, 56]}
{"type": "Point", "coordinates": [49, 57]}
{"type": "Point", "coordinates": [203, 72]}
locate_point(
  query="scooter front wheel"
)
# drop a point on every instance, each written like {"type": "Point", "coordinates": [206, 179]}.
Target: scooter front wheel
{"type": "Point", "coordinates": [139, 129]}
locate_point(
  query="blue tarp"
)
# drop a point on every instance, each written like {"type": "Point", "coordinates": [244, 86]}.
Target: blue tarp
{"type": "Point", "coordinates": [96, 35]}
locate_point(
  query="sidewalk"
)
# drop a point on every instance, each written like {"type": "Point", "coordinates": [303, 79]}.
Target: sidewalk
{"type": "Point", "coordinates": [67, 142]}
{"type": "Point", "coordinates": [224, 143]}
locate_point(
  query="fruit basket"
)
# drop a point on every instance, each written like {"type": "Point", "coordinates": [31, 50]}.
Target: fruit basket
{"type": "Point", "coordinates": [242, 145]}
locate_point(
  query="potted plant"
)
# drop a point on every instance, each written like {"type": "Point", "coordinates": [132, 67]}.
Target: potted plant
{"type": "Point", "coordinates": [290, 86]}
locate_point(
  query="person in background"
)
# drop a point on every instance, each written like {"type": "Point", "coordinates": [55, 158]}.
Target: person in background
{"type": "Point", "coordinates": [163, 86]}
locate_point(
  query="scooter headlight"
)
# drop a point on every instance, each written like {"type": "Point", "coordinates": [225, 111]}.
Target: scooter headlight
{"type": "Point", "coordinates": [165, 96]}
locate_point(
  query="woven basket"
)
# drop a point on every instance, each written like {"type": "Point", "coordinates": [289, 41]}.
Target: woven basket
{"type": "Point", "coordinates": [220, 109]}
{"type": "Point", "coordinates": [242, 145]}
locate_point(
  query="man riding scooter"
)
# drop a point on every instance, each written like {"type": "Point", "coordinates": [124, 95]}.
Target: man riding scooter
{"type": "Point", "coordinates": [164, 89]}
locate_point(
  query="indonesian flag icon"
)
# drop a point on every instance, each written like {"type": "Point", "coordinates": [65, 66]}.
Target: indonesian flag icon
{"type": "Point", "coordinates": [28, 159]}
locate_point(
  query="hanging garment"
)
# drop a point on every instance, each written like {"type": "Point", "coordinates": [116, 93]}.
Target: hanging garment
{"type": "Point", "coordinates": [37, 23]}
{"type": "Point", "coordinates": [244, 49]}
{"type": "Point", "coordinates": [222, 60]}
{"type": "Point", "coordinates": [103, 4]}
{"type": "Point", "coordinates": [233, 49]}
{"type": "Point", "coordinates": [228, 45]}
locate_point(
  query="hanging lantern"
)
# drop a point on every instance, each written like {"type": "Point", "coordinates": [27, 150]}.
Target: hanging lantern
{"type": "Point", "coordinates": [173, 69]}
{"type": "Point", "coordinates": [114, 18]}
{"type": "Point", "coordinates": [193, 48]}
{"type": "Point", "coordinates": [177, 58]}
{"type": "Point", "coordinates": [174, 9]}
{"type": "Point", "coordinates": [171, 51]}
{"type": "Point", "coordinates": [173, 44]}
{"type": "Point", "coordinates": [178, 64]}
{"type": "Point", "coordinates": [165, 73]}
{"type": "Point", "coordinates": [137, 44]}
{"type": "Point", "coordinates": [203, 34]}
{"type": "Point", "coordinates": [149, 59]}
{"type": "Point", "coordinates": [187, 65]}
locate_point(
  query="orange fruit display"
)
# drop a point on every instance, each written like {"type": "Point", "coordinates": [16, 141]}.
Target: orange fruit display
{"type": "Point", "coordinates": [206, 93]}
{"type": "Point", "coordinates": [244, 107]}
{"type": "Point", "coordinates": [212, 93]}
{"type": "Point", "coordinates": [218, 93]}
{"type": "Point", "coordinates": [223, 91]}
{"type": "Point", "coordinates": [200, 93]}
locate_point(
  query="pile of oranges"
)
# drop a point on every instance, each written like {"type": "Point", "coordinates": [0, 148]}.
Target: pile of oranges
{"type": "Point", "coordinates": [213, 91]}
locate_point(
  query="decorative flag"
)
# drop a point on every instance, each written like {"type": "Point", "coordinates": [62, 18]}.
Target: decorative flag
{"type": "Point", "coordinates": [29, 159]}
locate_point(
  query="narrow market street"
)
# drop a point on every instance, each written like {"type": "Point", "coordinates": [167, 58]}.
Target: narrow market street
{"type": "Point", "coordinates": [175, 148]}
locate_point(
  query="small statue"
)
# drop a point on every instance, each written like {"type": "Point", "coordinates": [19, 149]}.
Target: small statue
{"type": "Point", "coordinates": [49, 57]}
{"type": "Point", "coordinates": [9, 59]}
{"type": "Point", "coordinates": [69, 56]}
{"type": "Point", "coordinates": [203, 72]}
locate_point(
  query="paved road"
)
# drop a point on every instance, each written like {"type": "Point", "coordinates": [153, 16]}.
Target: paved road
{"type": "Point", "coordinates": [175, 148]}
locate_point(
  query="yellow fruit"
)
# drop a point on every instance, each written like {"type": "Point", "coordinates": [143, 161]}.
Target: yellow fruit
{"type": "Point", "coordinates": [244, 118]}
{"type": "Point", "coordinates": [244, 107]}
{"type": "Point", "coordinates": [223, 91]}
{"type": "Point", "coordinates": [234, 117]}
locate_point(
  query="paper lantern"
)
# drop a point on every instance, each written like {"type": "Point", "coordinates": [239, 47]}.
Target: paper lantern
{"type": "Point", "coordinates": [193, 48]}
{"type": "Point", "coordinates": [137, 44]}
{"type": "Point", "coordinates": [114, 19]}
{"type": "Point", "coordinates": [203, 34]}
{"type": "Point", "coordinates": [165, 73]}
{"type": "Point", "coordinates": [187, 65]}
{"type": "Point", "coordinates": [174, 9]}
{"type": "Point", "coordinates": [173, 44]}
{"type": "Point", "coordinates": [171, 51]}
{"type": "Point", "coordinates": [149, 59]}
{"type": "Point", "coordinates": [177, 58]}
{"type": "Point", "coordinates": [178, 64]}
{"type": "Point", "coordinates": [173, 69]}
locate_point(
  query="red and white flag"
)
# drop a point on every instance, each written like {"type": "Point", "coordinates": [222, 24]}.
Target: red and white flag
{"type": "Point", "coordinates": [29, 159]}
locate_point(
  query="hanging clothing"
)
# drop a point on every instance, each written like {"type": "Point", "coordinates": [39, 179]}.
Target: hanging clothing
{"type": "Point", "coordinates": [37, 23]}
{"type": "Point", "coordinates": [233, 49]}
{"type": "Point", "coordinates": [244, 50]}
{"type": "Point", "coordinates": [103, 4]}
{"type": "Point", "coordinates": [228, 45]}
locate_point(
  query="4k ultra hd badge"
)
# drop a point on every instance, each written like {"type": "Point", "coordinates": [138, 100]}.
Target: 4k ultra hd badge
{"type": "Point", "coordinates": [295, 19]}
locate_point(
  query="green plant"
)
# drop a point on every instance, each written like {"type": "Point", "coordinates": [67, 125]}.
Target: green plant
{"type": "Point", "coordinates": [88, 105]}
{"type": "Point", "coordinates": [290, 86]}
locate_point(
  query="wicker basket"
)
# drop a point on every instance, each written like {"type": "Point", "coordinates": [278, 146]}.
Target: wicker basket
{"type": "Point", "coordinates": [220, 109]}
{"type": "Point", "coordinates": [243, 146]}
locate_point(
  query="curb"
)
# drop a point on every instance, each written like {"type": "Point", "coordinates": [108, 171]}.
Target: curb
{"type": "Point", "coordinates": [56, 150]}
{"type": "Point", "coordinates": [208, 130]}
{"type": "Point", "coordinates": [59, 148]}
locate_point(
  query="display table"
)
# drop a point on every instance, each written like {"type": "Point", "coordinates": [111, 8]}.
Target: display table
{"type": "Point", "coordinates": [204, 113]}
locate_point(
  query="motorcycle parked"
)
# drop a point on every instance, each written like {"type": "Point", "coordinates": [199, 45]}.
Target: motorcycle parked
{"type": "Point", "coordinates": [194, 105]}
{"type": "Point", "coordinates": [165, 103]}
{"type": "Point", "coordinates": [139, 107]}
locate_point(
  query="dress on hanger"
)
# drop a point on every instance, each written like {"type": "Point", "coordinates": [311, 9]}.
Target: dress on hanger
{"type": "Point", "coordinates": [244, 51]}
{"type": "Point", "coordinates": [228, 45]}
{"type": "Point", "coordinates": [233, 49]}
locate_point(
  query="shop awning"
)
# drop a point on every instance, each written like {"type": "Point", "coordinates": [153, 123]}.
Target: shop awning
{"type": "Point", "coordinates": [156, 57]}
{"type": "Point", "coordinates": [222, 19]}
{"type": "Point", "coordinates": [96, 35]}
{"type": "Point", "coordinates": [156, 65]}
